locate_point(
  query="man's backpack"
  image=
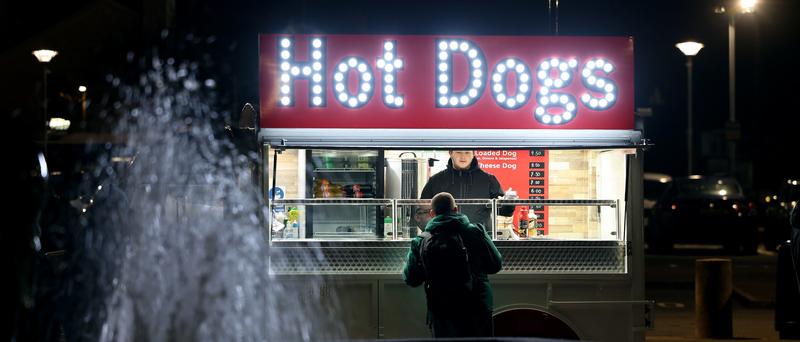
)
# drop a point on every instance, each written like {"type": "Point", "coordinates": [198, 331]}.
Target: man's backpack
{"type": "Point", "coordinates": [445, 260]}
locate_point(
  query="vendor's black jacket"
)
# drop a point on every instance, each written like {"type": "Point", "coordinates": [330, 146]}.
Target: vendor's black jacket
{"type": "Point", "coordinates": [472, 183]}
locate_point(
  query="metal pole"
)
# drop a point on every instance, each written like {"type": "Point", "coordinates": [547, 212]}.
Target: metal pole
{"type": "Point", "coordinates": [732, 88]}
{"type": "Point", "coordinates": [689, 155]}
{"type": "Point", "coordinates": [44, 111]}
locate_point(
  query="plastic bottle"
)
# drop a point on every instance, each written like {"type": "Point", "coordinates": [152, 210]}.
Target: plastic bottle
{"type": "Point", "coordinates": [387, 225]}
{"type": "Point", "coordinates": [523, 222]}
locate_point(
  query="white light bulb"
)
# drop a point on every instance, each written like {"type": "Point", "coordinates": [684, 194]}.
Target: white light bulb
{"type": "Point", "coordinates": [603, 103]}
{"type": "Point", "coordinates": [563, 99]}
{"type": "Point", "coordinates": [544, 101]}
{"type": "Point", "coordinates": [317, 100]}
{"type": "Point", "coordinates": [473, 93]}
{"type": "Point", "coordinates": [316, 66]}
{"type": "Point", "coordinates": [388, 89]}
{"type": "Point", "coordinates": [316, 55]}
{"type": "Point", "coordinates": [362, 67]}
{"type": "Point", "coordinates": [339, 87]}
{"type": "Point", "coordinates": [443, 100]}
{"type": "Point", "coordinates": [524, 77]}
{"type": "Point", "coordinates": [511, 102]}
{"type": "Point", "coordinates": [388, 68]}
{"type": "Point", "coordinates": [362, 97]}
{"type": "Point", "coordinates": [586, 72]}
{"type": "Point", "coordinates": [366, 87]}
{"type": "Point", "coordinates": [593, 103]}
{"type": "Point", "coordinates": [501, 68]}
{"type": "Point", "coordinates": [601, 83]}
{"type": "Point", "coordinates": [609, 87]}
{"type": "Point", "coordinates": [285, 54]}
{"type": "Point", "coordinates": [585, 97]}
{"type": "Point", "coordinates": [591, 80]}
{"type": "Point", "coordinates": [476, 83]}
{"type": "Point", "coordinates": [497, 77]}
{"type": "Point", "coordinates": [443, 90]}
{"type": "Point", "coordinates": [608, 68]}
{"type": "Point", "coordinates": [510, 63]}
{"type": "Point", "coordinates": [443, 78]}
{"type": "Point", "coordinates": [381, 63]}
{"type": "Point", "coordinates": [389, 98]}
{"type": "Point", "coordinates": [501, 97]}
{"type": "Point", "coordinates": [295, 71]}
{"type": "Point", "coordinates": [306, 70]}
{"type": "Point", "coordinates": [453, 101]}
{"type": "Point", "coordinates": [398, 101]}
{"type": "Point", "coordinates": [558, 83]}
{"type": "Point", "coordinates": [342, 97]}
{"type": "Point", "coordinates": [553, 97]}
{"type": "Point", "coordinates": [388, 56]}
{"type": "Point", "coordinates": [497, 88]}
{"type": "Point", "coordinates": [463, 46]}
{"type": "Point", "coordinates": [541, 74]}
{"type": "Point", "coordinates": [590, 65]}
{"type": "Point", "coordinates": [539, 110]}
{"type": "Point", "coordinates": [599, 63]}
{"type": "Point", "coordinates": [573, 63]}
{"type": "Point", "coordinates": [285, 89]}
{"type": "Point", "coordinates": [343, 67]}
{"type": "Point", "coordinates": [464, 98]}
{"type": "Point", "coordinates": [523, 88]}
{"type": "Point", "coordinates": [338, 76]}
{"type": "Point", "coordinates": [610, 97]}
{"type": "Point", "coordinates": [520, 68]}
{"type": "Point", "coordinates": [472, 53]}
{"type": "Point", "coordinates": [443, 55]}
{"type": "Point", "coordinates": [567, 116]}
{"type": "Point", "coordinates": [565, 76]}
{"type": "Point", "coordinates": [520, 98]}
{"type": "Point", "coordinates": [285, 101]}
{"type": "Point", "coordinates": [544, 90]}
{"type": "Point", "coordinates": [556, 119]}
{"type": "Point", "coordinates": [316, 43]}
{"type": "Point", "coordinates": [553, 62]}
{"type": "Point", "coordinates": [442, 45]}
{"type": "Point", "coordinates": [398, 63]}
{"type": "Point", "coordinates": [285, 66]}
{"type": "Point", "coordinates": [544, 66]}
{"type": "Point", "coordinates": [570, 106]}
{"type": "Point", "coordinates": [388, 46]}
{"type": "Point", "coordinates": [316, 78]}
{"type": "Point", "coordinates": [352, 102]}
{"type": "Point", "coordinates": [563, 66]}
{"type": "Point", "coordinates": [388, 78]}
{"type": "Point", "coordinates": [316, 89]}
{"type": "Point", "coordinates": [453, 46]}
{"type": "Point", "coordinates": [285, 77]}
{"type": "Point", "coordinates": [285, 43]}
{"type": "Point", "coordinates": [442, 66]}
{"type": "Point", "coordinates": [352, 62]}
{"type": "Point", "coordinates": [477, 73]}
{"type": "Point", "coordinates": [546, 119]}
{"type": "Point", "coordinates": [476, 63]}
{"type": "Point", "coordinates": [548, 82]}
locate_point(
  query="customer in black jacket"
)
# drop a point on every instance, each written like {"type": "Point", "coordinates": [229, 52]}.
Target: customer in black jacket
{"type": "Point", "coordinates": [464, 179]}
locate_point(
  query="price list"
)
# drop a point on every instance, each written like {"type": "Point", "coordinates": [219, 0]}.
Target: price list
{"type": "Point", "coordinates": [537, 187]}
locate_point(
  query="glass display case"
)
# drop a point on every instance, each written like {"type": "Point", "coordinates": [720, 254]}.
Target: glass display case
{"type": "Point", "coordinates": [344, 174]}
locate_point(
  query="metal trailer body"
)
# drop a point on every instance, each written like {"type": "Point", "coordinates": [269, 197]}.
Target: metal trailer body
{"type": "Point", "coordinates": [591, 288]}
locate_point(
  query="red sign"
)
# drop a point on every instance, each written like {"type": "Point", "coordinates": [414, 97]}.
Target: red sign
{"type": "Point", "coordinates": [456, 82]}
{"type": "Point", "coordinates": [524, 171]}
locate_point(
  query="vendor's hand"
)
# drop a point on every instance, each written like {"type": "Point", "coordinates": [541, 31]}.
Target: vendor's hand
{"type": "Point", "coordinates": [511, 194]}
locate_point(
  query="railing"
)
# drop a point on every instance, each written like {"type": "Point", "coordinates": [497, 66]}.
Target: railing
{"type": "Point", "coordinates": [494, 204]}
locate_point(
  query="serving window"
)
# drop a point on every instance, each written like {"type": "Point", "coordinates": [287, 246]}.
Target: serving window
{"type": "Point", "coordinates": [374, 194]}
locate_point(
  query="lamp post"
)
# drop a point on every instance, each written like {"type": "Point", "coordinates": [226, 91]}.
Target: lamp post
{"type": "Point", "coordinates": [743, 6]}
{"type": "Point", "coordinates": [44, 56]}
{"type": "Point", "coordinates": [82, 90]}
{"type": "Point", "coordinates": [690, 49]}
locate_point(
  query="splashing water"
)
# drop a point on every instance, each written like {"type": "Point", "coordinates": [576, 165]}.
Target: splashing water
{"type": "Point", "coordinates": [180, 239]}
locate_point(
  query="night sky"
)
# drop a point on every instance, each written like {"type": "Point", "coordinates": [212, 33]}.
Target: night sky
{"type": "Point", "coordinates": [766, 55]}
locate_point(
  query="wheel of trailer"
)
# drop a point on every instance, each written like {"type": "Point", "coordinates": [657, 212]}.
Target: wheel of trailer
{"type": "Point", "coordinates": [531, 323]}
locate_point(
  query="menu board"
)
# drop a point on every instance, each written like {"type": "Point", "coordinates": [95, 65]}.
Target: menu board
{"type": "Point", "coordinates": [524, 171]}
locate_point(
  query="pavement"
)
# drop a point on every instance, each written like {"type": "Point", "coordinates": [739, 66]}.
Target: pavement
{"type": "Point", "coordinates": [670, 282]}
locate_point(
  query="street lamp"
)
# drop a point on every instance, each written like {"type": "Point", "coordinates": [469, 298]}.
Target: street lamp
{"type": "Point", "coordinates": [690, 49]}
{"type": "Point", "coordinates": [44, 56]}
{"type": "Point", "coordinates": [82, 90]}
{"type": "Point", "coordinates": [742, 6]}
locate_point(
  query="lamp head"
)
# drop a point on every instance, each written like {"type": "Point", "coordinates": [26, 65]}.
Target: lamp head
{"type": "Point", "coordinates": [44, 55]}
{"type": "Point", "coordinates": [689, 48]}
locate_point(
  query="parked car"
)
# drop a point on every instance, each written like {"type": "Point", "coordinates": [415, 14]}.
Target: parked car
{"type": "Point", "coordinates": [703, 209]}
{"type": "Point", "coordinates": [654, 186]}
{"type": "Point", "coordinates": [776, 208]}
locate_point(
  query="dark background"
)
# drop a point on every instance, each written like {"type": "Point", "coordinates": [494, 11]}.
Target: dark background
{"type": "Point", "coordinates": [95, 37]}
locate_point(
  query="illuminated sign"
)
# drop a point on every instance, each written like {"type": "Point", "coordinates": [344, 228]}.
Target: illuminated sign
{"type": "Point", "coordinates": [488, 82]}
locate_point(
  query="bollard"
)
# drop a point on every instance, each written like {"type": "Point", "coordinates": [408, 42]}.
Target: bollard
{"type": "Point", "coordinates": [713, 287]}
